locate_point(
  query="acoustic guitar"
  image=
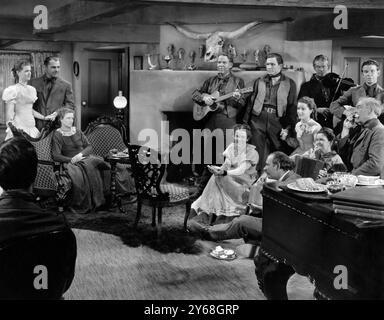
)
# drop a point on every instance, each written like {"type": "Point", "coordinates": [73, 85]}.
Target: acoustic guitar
{"type": "Point", "coordinates": [199, 112]}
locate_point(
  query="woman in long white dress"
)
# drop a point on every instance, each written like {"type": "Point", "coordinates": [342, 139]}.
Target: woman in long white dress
{"type": "Point", "coordinates": [19, 99]}
{"type": "Point", "coordinates": [226, 195]}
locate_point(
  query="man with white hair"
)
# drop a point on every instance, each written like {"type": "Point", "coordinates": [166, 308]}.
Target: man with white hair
{"type": "Point", "coordinates": [368, 148]}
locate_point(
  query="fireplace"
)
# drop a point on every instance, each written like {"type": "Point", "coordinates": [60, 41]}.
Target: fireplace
{"type": "Point", "coordinates": [183, 171]}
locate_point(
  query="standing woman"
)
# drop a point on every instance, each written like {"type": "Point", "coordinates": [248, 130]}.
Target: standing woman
{"type": "Point", "coordinates": [307, 127]}
{"type": "Point", "coordinates": [19, 99]}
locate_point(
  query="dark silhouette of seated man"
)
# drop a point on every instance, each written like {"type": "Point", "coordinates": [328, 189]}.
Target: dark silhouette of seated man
{"type": "Point", "coordinates": [23, 222]}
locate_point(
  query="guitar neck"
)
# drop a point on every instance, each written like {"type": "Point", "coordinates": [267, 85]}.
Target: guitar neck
{"type": "Point", "coordinates": [228, 95]}
{"type": "Point", "coordinates": [224, 97]}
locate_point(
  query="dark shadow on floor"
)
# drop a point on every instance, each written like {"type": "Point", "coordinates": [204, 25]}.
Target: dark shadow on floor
{"type": "Point", "coordinates": [173, 238]}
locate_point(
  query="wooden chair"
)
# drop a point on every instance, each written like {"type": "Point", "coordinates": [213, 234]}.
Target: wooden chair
{"type": "Point", "coordinates": [106, 133]}
{"type": "Point", "coordinates": [47, 183]}
{"type": "Point", "coordinates": [307, 167]}
{"type": "Point", "coordinates": [148, 172]}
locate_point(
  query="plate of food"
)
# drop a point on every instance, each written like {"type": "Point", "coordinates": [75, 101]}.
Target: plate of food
{"type": "Point", "coordinates": [119, 154]}
{"type": "Point", "coordinates": [307, 185]}
{"type": "Point", "coordinates": [369, 181]}
{"type": "Point", "coordinates": [378, 182]}
{"type": "Point", "coordinates": [223, 254]}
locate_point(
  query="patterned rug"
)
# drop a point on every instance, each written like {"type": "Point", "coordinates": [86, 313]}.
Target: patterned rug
{"type": "Point", "coordinates": [115, 261]}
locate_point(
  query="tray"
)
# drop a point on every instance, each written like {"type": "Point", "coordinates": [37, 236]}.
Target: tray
{"type": "Point", "coordinates": [294, 187]}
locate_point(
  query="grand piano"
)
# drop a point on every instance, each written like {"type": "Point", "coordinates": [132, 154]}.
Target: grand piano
{"type": "Point", "coordinates": [343, 256]}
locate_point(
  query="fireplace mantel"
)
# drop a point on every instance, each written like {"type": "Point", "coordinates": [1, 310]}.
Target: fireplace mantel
{"type": "Point", "coordinates": [153, 92]}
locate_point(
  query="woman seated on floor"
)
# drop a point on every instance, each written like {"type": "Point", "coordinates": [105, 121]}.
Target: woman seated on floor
{"type": "Point", "coordinates": [226, 194]}
{"type": "Point", "coordinates": [71, 147]}
{"type": "Point", "coordinates": [323, 152]}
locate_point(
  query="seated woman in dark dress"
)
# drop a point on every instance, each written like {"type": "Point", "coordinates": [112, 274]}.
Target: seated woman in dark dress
{"type": "Point", "coordinates": [71, 147]}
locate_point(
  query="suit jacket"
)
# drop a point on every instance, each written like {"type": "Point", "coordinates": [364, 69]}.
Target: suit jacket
{"type": "Point", "coordinates": [61, 95]}
{"type": "Point", "coordinates": [351, 97]}
{"type": "Point", "coordinates": [21, 216]}
{"type": "Point", "coordinates": [368, 150]}
{"type": "Point", "coordinates": [315, 89]}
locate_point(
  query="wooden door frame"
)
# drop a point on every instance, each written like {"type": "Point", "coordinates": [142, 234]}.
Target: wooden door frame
{"type": "Point", "coordinates": [124, 57]}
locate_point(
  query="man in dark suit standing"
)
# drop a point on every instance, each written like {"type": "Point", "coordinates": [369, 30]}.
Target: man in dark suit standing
{"type": "Point", "coordinates": [52, 91]}
{"type": "Point", "coordinates": [316, 89]}
{"type": "Point", "coordinates": [343, 106]}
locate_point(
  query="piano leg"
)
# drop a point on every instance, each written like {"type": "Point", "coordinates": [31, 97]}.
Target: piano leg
{"type": "Point", "coordinates": [272, 277]}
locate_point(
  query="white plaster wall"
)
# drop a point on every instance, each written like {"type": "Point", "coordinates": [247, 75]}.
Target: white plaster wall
{"type": "Point", "coordinates": [272, 34]}
{"type": "Point", "coordinates": [152, 92]}
{"type": "Point", "coordinates": [301, 53]}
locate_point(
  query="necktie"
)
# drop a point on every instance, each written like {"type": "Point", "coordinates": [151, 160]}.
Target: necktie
{"type": "Point", "coordinates": [370, 91]}
{"type": "Point", "coordinates": [49, 84]}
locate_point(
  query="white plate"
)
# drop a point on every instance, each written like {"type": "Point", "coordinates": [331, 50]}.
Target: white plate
{"type": "Point", "coordinates": [378, 182]}
{"type": "Point", "coordinates": [294, 187]}
{"type": "Point", "coordinates": [223, 256]}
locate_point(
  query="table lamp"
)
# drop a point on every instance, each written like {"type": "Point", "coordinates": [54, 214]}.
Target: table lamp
{"type": "Point", "coordinates": [120, 102]}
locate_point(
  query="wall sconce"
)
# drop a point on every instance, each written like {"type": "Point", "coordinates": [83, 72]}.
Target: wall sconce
{"type": "Point", "coordinates": [120, 102]}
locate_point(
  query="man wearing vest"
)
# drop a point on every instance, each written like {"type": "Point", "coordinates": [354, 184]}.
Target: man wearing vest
{"type": "Point", "coordinates": [271, 109]}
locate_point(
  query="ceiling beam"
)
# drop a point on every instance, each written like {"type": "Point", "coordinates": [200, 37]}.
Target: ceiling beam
{"type": "Point", "coordinates": [111, 34]}
{"type": "Point", "coordinates": [77, 12]}
{"type": "Point", "coordinates": [160, 14]}
{"type": "Point", "coordinates": [7, 43]}
{"type": "Point", "coordinates": [322, 28]}
{"type": "Point", "coordinates": [19, 29]}
{"type": "Point", "coordinates": [351, 4]}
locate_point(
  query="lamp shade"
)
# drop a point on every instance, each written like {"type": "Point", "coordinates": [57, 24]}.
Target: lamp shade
{"type": "Point", "coordinates": [120, 102]}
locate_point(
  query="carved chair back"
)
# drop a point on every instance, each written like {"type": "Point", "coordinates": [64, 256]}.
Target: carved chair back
{"type": "Point", "coordinates": [105, 134]}
{"type": "Point", "coordinates": [147, 171]}
{"type": "Point", "coordinates": [45, 183]}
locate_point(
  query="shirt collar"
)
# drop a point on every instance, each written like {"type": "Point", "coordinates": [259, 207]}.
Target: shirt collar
{"type": "Point", "coordinates": [283, 176]}
{"type": "Point", "coordinates": [226, 76]}
{"type": "Point", "coordinates": [366, 87]}
{"type": "Point", "coordinates": [46, 79]}
{"type": "Point", "coordinates": [316, 78]}
{"type": "Point", "coordinates": [268, 78]}
{"type": "Point", "coordinates": [370, 124]}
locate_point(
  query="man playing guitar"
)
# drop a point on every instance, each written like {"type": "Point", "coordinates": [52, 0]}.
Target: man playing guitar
{"type": "Point", "coordinates": [228, 112]}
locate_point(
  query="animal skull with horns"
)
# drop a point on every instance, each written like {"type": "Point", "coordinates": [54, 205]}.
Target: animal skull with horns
{"type": "Point", "coordinates": [215, 40]}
